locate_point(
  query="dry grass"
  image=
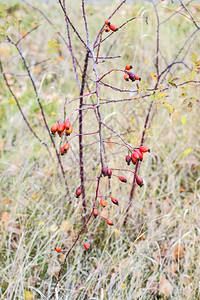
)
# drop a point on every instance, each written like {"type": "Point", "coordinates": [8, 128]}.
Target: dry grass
{"type": "Point", "coordinates": [121, 264]}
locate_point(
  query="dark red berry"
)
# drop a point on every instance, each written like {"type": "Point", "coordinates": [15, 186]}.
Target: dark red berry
{"type": "Point", "coordinates": [115, 201]}
{"type": "Point", "coordinates": [128, 160]}
{"type": "Point", "coordinates": [139, 180]}
{"type": "Point", "coordinates": [134, 160]}
{"type": "Point", "coordinates": [78, 192]}
{"type": "Point", "coordinates": [104, 171]}
{"type": "Point", "coordinates": [109, 173]}
{"type": "Point", "coordinates": [122, 179]}
{"type": "Point", "coordinates": [95, 213]}
{"type": "Point", "coordinates": [131, 76]}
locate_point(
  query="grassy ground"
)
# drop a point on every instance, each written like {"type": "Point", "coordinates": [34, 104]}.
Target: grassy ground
{"type": "Point", "coordinates": [36, 215]}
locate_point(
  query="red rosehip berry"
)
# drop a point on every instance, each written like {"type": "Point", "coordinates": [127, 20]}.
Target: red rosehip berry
{"type": "Point", "coordinates": [78, 192]}
{"type": "Point", "coordinates": [60, 134]}
{"type": "Point", "coordinates": [87, 247]}
{"type": "Point", "coordinates": [113, 27]}
{"type": "Point", "coordinates": [54, 128]}
{"type": "Point", "coordinates": [144, 149]}
{"type": "Point", "coordinates": [128, 160]}
{"type": "Point", "coordinates": [140, 154]}
{"type": "Point", "coordinates": [107, 22]}
{"type": "Point", "coordinates": [137, 77]}
{"type": "Point", "coordinates": [106, 29]}
{"type": "Point", "coordinates": [104, 171]}
{"type": "Point", "coordinates": [122, 179]}
{"type": "Point", "coordinates": [131, 76]}
{"type": "Point", "coordinates": [68, 127]}
{"type": "Point", "coordinates": [64, 149]}
{"type": "Point", "coordinates": [61, 128]}
{"type": "Point", "coordinates": [126, 77]}
{"type": "Point", "coordinates": [57, 249]}
{"type": "Point", "coordinates": [95, 213]}
{"type": "Point", "coordinates": [109, 222]}
{"type": "Point", "coordinates": [115, 201]}
{"type": "Point", "coordinates": [128, 67]}
{"type": "Point", "coordinates": [103, 203]}
{"type": "Point", "coordinates": [109, 173]}
{"type": "Point", "coordinates": [139, 180]}
{"type": "Point", "coordinates": [135, 155]}
{"type": "Point", "coordinates": [134, 160]}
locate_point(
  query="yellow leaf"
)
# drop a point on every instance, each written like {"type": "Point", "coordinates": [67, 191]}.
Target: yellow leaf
{"type": "Point", "coordinates": [187, 151]}
{"type": "Point", "coordinates": [162, 95]}
{"type": "Point", "coordinates": [53, 113]}
{"type": "Point", "coordinates": [123, 286]}
{"type": "Point", "coordinates": [11, 100]}
{"type": "Point", "coordinates": [34, 196]}
{"type": "Point", "coordinates": [29, 296]}
{"type": "Point", "coordinates": [171, 109]}
{"type": "Point", "coordinates": [183, 120]}
{"type": "Point", "coordinates": [154, 77]}
{"type": "Point", "coordinates": [65, 226]}
{"type": "Point", "coordinates": [41, 223]}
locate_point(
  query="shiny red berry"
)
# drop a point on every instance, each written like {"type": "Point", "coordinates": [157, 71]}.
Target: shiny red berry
{"type": "Point", "coordinates": [57, 249]}
{"type": "Point", "coordinates": [78, 192]}
{"type": "Point", "coordinates": [109, 173]}
{"type": "Point", "coordinates": [139, 180]}
{"type": "Point", "coordinates": [144, 149]}
{"type": "Point", "coordinates": [109, 222]}
{"type": "Point", "coordinates": [104, 171]}
{"type": "Point", "coordinates": [61, 128]}
{"type": "Point", "coordinates": [115, 201]}
{"type": "Point", "coordinates": [87, 247]}
{"type": "Point", "coordinates": [135, 155]}
{"type": "Point", "coordinates": [128, 160]}
{"type": "Point", "coordinates": [54, 128]}
{"type": "Point", "coordinates": [140, 154]}
{"type": "Point", "coordinates": [122, 179]}
{"type": "Point", "coordinates": [95, 213]}
{"type": "Point", "coordinates": [131, 76]}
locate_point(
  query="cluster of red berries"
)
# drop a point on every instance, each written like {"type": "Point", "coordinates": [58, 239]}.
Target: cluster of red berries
{"type": "Point", "coordinates": [61, 128]}
{"type": "Point", "coordinates": [136, 156]}
{"type": "Point", "coordinates": [102, 201]}
{"type": "Point", "coordinates": [110, 26]}
{"type": "Point", "coordinates": [129, 75]}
